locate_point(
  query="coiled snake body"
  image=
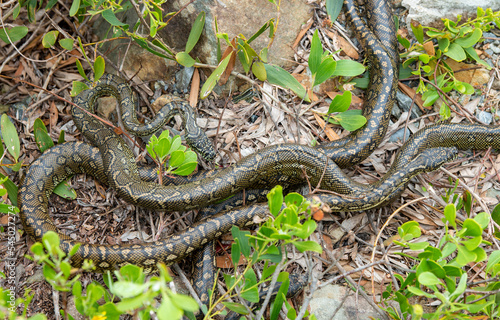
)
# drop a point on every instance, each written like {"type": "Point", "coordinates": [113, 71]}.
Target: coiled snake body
{"type": "Point", "coordinates": [113, 164]}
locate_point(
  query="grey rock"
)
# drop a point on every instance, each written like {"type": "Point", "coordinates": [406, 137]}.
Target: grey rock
{"type": "Point", "coordinates": [494, 48]}
{"type": "Point", "coordinates": [485, 117]}
{"type": "Point", "coordinates": [428, 11]}
{"type": "Point", "coordinates": [183, 79]}
{"type": "Point", "coordinates": [404, 104]}
{"type": "Point", "coordinates": [399, 135]}
{"type": "Point", "coordinates": [326, 300]}
{"type": "Point", "coordinates": [493, 193]}
{"type": "Point", "coordinates": [488, 35]}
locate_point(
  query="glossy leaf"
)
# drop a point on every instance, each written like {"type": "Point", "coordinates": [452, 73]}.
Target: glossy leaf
{"type": "Point", "coordinates": [209, 85]}
{"type": "Point", "coordinates": [183, 58]}
{"type": "Point", "coordinates": [316, 53]}
{"type": "Point", "coordinates": [340, 102]}
{"type": "Point", "coordinates": [456, 52]}
{"type": "Point", "coordinates": [303, 246]}
{"type": "Point", "coordinates": [275, 200]}
{"type": "Point", "coordinates": [348, 68]}
{"type": "Point", "coordinates": [333, 8]}
{"type": "Point", "coordinates": [14, 34]}
{"type": "Point", "coordinates": [196, 30]}
{"type": "Point", "coordinates": [279, 76]}
{"type": "Point", "coordinates": [42, 137]}
{"type": "Point", "coordinates": [10, 137]}
{"type": "Point", "coordinates": [110, 17]}
{"type": "Point", "coordinates": [49, 39]}
{"type": "Point", "coordinates": [67, 43]}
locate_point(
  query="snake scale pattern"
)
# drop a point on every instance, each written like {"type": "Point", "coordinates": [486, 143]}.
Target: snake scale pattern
{"type": "Point", "coordinates": [112, 163]}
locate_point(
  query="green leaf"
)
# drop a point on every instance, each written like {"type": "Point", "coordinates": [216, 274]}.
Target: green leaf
{"type": "Point", "coordinates": [42, 137]}
{"type": "Point", "coordinates": [428, 279]}
{"type": "Point", "coordinates": [184, 302]}
{"type": "Point", "coordinates": [259, 70]}
{"type": "Point", "coordinates": [66, 43]}
{"type": "Point", "coordinates": [493, 260]}
{"type": "Point", "coordinates": [419, 292]}
{"type": "Point", "coordinates": [10, 137]}
{"type": "Point", "coordinates": [49, 39]}
{"type": "Point", "coordinates": [473, 229]}
{"type": "Point", "coordinates": [333, 8]}
{"type": "Point", "coordinates": [186, 169]}
{"type": "Point", "coordinates": [464, 256]}
{"type": "Point", "coordinates": [409, 230]}
{"type": "Point", "coordinates": [306, 230]}
{"type": "Point", "coordinates": [236, 307]}
{"type": "Point", "coordinates": [279, 76]}
{"type": "Point", "coordinates": [482, 219]}
{"type": "Point", "coordinates": [450, 215]}
{"type": "Point", "coordinates": [176, 158]}
{"type": "Point", "coordinates": [196, 30]}
{"type": "Point", "coordinates": [168, 310]}
{"type": "Point", "coordinates": [280, 298]}
{"type": "Point", "coordinates": [50, 240]}
{"type": "Point", "coordinates": [99, 66]}
{"type": "Point", "coordinates": [308, 246]}
{"type": "Point", "coordinates": [74, 8]}
{"type": "Point", "coordinates": [348, 68]}
{"type": "Point", "coordinates": [251, 295]}
{"type": "Point", "coordinates": [264, 27]}
{"type": "Point", "coordinates": [64, 190]}
{"type": "Point", "coordinates": [340, 102]}
{"type": "Point", "coordinates": [61, 137]}
{"type": "Point", "coordinates": [326, 70]}
{"type": "Point", "coordinates": [443, 44]}
{"type": "Point", "coordinates": [275, 200]}
{"type": "Point", "coordinates": [242, 238]}
{"type": "Point", "coordinates": [404, 42]}
{"type": "Point", "coordinates": [110, 17]}
{"type": "Point", "coordinates": [315, 54]}
{"type": "Point", "coordinates": [456, 52]}
{"type": "Point", "coordinates": [11, 189]}
{"type": "Point", "coordinates": [418, 31]}
{"type": "Point", "coordinates": [350, 120]}
{"type": "Point", "coordinates": [418, 246]}
{"type": "Point", "coordinates": [183, 58]}
{"type": "Point", "coordinates": [214, 77]}
{"type": "Point", "coordinates": [14, 33]}
{"type": "Point", "coordinates": [473, 54]}
{"type": "Point", "coordinates": [471, 39]}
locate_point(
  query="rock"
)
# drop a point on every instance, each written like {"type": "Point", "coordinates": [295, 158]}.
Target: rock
{"type": "Point", "coordinates": [327, 299]}
{"type": "Point", "coordinates": [398, 135]}
{"type": "Point", "coordinates": [403, 105]}
{"type": "Point", "coordinates": [233, 17]}
{"type": "Point", "coordinates": [485, 117]}
{"type": "Point", "coordinates": [428, 11]}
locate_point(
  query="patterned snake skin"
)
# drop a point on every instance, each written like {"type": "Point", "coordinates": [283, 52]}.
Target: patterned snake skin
{"type": "Point", "coordinates": [113, 164]}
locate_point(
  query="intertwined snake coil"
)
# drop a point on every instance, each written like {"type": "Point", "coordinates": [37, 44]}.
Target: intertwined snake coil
{"type": "Point", "coordinates": [113, 164]}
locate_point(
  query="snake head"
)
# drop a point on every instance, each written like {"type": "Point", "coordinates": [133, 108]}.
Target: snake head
{"type": "Point", "coordinates": [202, 146]}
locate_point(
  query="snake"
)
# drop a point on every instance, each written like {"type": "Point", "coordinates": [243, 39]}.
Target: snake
{"type": "Point", "coordinates": [112, 163]}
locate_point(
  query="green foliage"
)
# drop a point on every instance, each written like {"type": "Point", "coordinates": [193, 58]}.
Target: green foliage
{"type": "Point", "coordinates": [170, 155]}
{"type": "Point", "coordinates": [98, 68]}
{"type": "Point", "coordinates": [291, 225]}
{"type": "Point", "coordinates": [440, 272]}
{"type": "Point", "coordinates": [129, 293]}
{"type": "Point", "coordinates": [12, 148]}
{"type": "Point", "coordinates": [9, 304]}
{"type": "Point", "coordinates": [434, 46]}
